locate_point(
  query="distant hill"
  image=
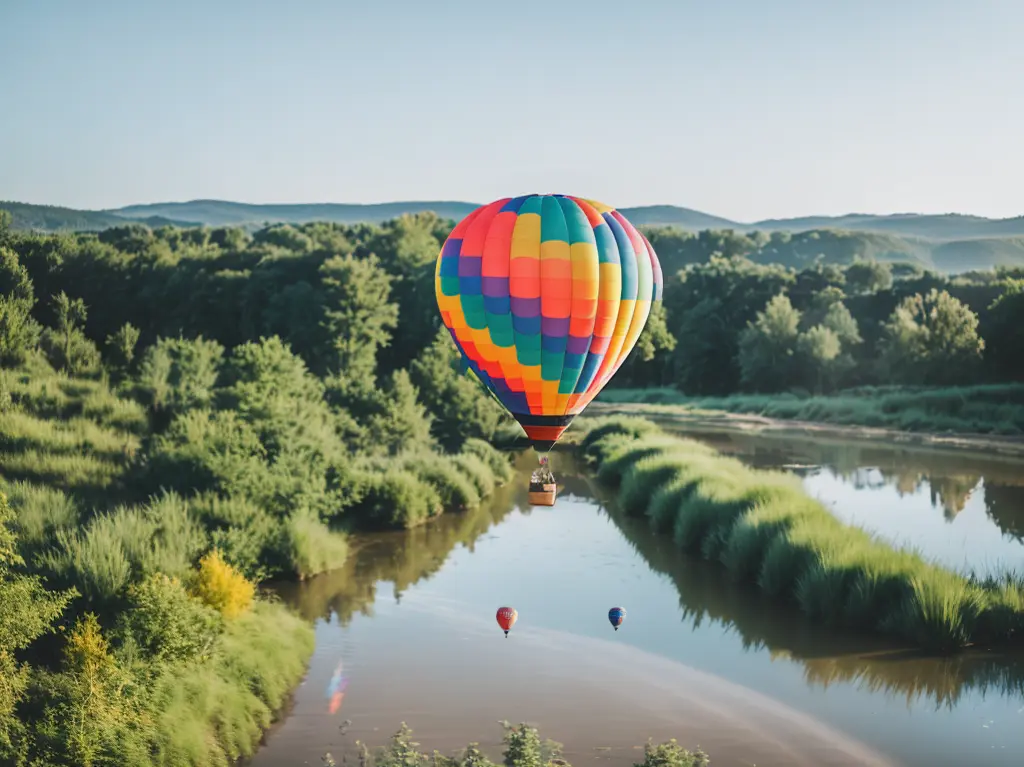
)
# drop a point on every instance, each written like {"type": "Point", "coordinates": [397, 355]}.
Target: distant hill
{"type": "Point", "coordinates": [951, 226]}
{"type": "Point", "coordinates": [948, 226]}
{"type": "Point", "coordinates": [950, 242]}
{"type": "Point", "coordinates": [222, 213]}
{"type": "Point", "coordinates": [50, 218]}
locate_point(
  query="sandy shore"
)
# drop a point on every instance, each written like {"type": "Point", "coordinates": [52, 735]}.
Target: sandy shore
{"type": "Point", "coordinates": [1011, 447]}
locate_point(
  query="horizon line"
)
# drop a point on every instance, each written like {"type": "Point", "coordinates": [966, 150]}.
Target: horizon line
{"type": "Point", "coordinates": [114, 210]}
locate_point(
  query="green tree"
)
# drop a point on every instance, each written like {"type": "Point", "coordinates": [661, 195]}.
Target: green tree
{"type": "Point", "coordinates": [27, 612]}
{"type": "Point", "coordinates": [819, 349]}
{"type": "Point", "coordinates": [840, 321]}
{"type": "Point", "coordinates": [285, 236]}
{"type": "Point", "coordinates": [932, 339]}
{"type": "Point", "coordinates": [357, 316]}
{"type": "Point", "coordinates": [19, 332]}
{"type": "Point", "coordinates": [460, 406]}
{"type": "Point", "coordinates": [408, 248]}
{"type": "Point", "coordinates": [121, 346]}
{"type": "Point", "coordinates": [67, 347]}
{"type": "Point", "coordinates": [767, 346]}
{"type": "Point", "coordinates": [707, 306]}
{"type": "Point", "coordinates": [647, 364]}
{"type": "Point", "coordinates": [402, 423]}
{"type": "Point", "coordinates": [177, 374]}
{"type": "Point", "coordinates": [868, 276]}
{"type": "Point", "coordinates": [1004, 333]}
{"type": "Point", "coordinates": [166, 623]}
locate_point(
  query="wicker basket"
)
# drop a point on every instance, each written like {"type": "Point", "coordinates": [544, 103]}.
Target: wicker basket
{"type": "Point", "coordinates": [543, 495]}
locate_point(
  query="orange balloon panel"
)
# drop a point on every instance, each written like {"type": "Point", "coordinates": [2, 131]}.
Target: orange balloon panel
{"type": "Point", "coordinates": [546, 296]}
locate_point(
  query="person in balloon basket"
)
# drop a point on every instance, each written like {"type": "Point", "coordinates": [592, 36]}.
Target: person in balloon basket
{"type": "Point", "coordinates": [543, 475]}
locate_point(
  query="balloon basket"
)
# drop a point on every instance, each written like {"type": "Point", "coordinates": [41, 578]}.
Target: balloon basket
{"type": "Point", "coordinates": [543, 495]}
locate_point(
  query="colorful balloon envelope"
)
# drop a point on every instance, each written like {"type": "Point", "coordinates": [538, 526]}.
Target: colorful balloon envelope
{"type": "Point", "coordinates": [545, 297]}
{"type": "Point", "coordinates": [507, 617]}
{"type": "Point", "coordinates": [616, 616]}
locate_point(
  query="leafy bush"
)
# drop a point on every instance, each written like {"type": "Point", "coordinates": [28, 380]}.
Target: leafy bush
{"type": "Point", "coordinates": [397, 499]}
{"type": "Point", "coordinates": [223, 588]}
{"type": "Point", "coordinates": [166, 623]}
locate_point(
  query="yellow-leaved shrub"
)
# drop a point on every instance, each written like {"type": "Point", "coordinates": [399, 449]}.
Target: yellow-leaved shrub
{"type": "Point", "coordinates": [222, 587]}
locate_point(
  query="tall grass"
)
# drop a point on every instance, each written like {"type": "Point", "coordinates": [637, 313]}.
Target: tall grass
{"type": "Point", "coordinates": [44, 393]}
{"type": "Point", "coordinates": [213, 713]}
{"type": "Point", "coordinates": [990, 409]}
{"type": "Point", "coordinates": [126, 545]}
{"type": "Point", "coordinates": [765, 531]}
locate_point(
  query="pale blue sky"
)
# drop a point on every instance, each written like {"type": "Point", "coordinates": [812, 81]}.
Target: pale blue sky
{"type": "Point", "coordinates": [743, 108]}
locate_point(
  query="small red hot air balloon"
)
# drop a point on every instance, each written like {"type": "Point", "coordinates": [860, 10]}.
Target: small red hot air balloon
{"type": "Point", "coordinates": [506, 618]}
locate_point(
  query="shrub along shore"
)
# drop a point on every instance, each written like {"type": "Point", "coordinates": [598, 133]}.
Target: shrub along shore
{"type": "Point", "coordinates": [765, 530]}
{"type": "Point", "coordinates": [996, 409]}
{"type": "Point", "coordinates": [522, 748]}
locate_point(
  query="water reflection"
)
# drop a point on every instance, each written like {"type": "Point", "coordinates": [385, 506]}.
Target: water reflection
{"type": "Point", "coordinates": [729, 636]}
{"type": "Point", "coordinates": [828, 657]}
{"type": "Point", "coordinates": [409, 557]}
{"type": "Point", "coordinates": [979, 499]}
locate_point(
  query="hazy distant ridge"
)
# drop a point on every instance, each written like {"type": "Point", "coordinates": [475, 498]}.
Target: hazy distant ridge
{"type": "Point", "coordinates": [950, 226]}
{"type": "Point", "coordinates": [937, 227]}
{"type": "Point", "coordinates": [951, 242]}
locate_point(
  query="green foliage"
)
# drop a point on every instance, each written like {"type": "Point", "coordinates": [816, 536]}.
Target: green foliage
{"type": "Point", "coordinates": [19, 332]}
{"type": "Point", "coordinates": [523, 747]}
{"type": "Point", "coordinates": [115, 549]}
{"type": "Point", "coordinates": [868, 276]}
{"type": "Point", "coordinates": [395, 500]}
{"type": "Point", "coordinates": [67, 347]}
{"type": "Point", "coordinates": [932, 339]}
{"type": "Point", "coordinates": [310, 547]}
{"type": "Point", "coordinates": [766, 531]}
{"type": "Point", "coordinates": [249, 426]}
{"type": "Point", "coordinates": [358, 319]}
{"type": "Point", "coordinates": [995, 409]}
{"type": "Point", "coordinates": [766, 346]}
{"type": "Point", "coordinates": [456, 490]}
{"type": "Point", "coordinates": [167, 624]}
{"type": "Point", "coordinates": [121, 346]}
{"type": "Point", "coordinates": [459, 406]}
{"type": "Point", "coordinates": [179, 374]}
{"type": "Point", "coordinates": [27, 611]}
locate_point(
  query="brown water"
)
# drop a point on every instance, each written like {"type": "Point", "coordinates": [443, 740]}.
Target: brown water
{"type": "Point", "coordinates": [411, 621]}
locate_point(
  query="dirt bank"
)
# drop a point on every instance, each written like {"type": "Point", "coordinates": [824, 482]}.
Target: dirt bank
{"type": "Point", "coordinates": [1012, 447]}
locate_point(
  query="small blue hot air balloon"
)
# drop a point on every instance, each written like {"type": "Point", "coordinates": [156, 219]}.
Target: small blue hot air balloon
{"type": "Point", "coordinates": [616, 615]}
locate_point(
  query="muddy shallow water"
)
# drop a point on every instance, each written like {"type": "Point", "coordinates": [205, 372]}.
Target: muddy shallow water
{"type": "Point", "coordinates": [410, 622]}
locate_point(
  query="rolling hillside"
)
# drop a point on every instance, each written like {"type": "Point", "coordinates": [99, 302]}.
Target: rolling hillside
{"type": "Point", "coordinates": [222, 213]}
{"type": "Point", "coordinates": [948, 243]}
{"type": "Point", "coordinates": [51, 218]}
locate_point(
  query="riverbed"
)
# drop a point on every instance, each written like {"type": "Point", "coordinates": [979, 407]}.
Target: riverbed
{"type": "Point", "coordinates": [407, 631]}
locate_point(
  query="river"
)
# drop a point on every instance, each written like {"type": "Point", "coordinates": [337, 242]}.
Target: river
{"type": "Point", "coordinates": [411, 621]}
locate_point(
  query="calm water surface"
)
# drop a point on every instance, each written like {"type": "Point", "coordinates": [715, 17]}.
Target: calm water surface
{"type": "Point", "coordinates": [410, 622]}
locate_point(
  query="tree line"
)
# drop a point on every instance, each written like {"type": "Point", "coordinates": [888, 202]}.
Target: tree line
{"type": "Point", "coordinates": [730, 325]}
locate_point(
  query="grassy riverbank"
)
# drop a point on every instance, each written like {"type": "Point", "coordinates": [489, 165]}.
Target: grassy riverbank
{"type": "Point", "coordinates": [171, 396]}
{"type": "Point", "coordinates": [764, 530]}
{"type": "Point", "coordinates": [996, 409]}
{"type": "Point", "coordinates": [523, 747]}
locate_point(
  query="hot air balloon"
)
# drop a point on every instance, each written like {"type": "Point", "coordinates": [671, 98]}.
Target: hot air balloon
{"type": "Point", "coordinates": [616, 615]}
{"type": "Point", "coordinates": [506, 618]}
{"type": "Point", "coordinates": [545, 296]}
